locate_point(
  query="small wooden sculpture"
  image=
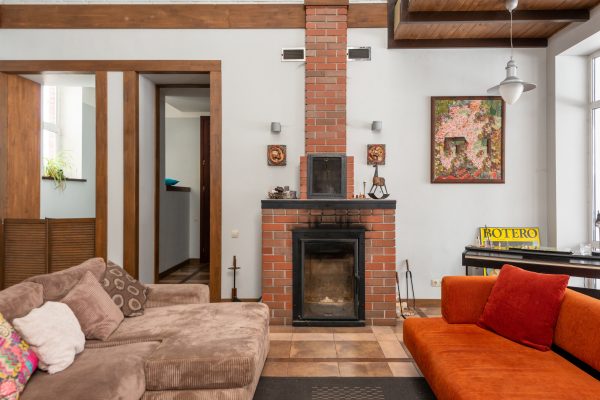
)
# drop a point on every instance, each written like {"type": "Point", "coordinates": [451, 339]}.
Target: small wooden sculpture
{"type": "Point", "coordinates": [378, 184]}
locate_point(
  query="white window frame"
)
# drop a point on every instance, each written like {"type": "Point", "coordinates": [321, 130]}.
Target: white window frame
{"type": "Point", "coordinates": [49, 126]}
{"type": "Point", "coordinates": [595, 157]}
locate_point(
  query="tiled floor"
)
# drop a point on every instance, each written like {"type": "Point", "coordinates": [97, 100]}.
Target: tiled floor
{"type": "Point", "coordinates": [191, 273]}
{"type": "Point", "coordinates": [347, 352]}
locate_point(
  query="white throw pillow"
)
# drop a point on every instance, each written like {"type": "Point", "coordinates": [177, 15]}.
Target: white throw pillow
{"type": "Point", "coordinates": [54, 334]}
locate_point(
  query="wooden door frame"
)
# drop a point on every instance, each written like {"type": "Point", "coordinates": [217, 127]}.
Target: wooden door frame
{"type": "Point", "coordinates": [213, 68]}
{"type": "Point", "coordinates": [15, 67]}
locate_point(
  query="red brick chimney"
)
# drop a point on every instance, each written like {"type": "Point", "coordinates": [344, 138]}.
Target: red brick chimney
{"type": "Point", "coordinates": [325, 84]}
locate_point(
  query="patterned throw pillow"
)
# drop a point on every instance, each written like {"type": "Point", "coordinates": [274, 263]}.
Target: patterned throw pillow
{"type": "Point", "coordinates": [17, 361]}
{"type": "Point", "coordinates": [127, 292]}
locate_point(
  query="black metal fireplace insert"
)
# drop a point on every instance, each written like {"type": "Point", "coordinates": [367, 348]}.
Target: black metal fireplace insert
{"type": "Point", "coordinates": [326, 176]}
{"type": "Point", "coordinates": [329, 277]}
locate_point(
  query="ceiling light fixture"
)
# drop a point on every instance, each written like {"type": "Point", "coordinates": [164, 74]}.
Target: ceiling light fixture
{"type": "Point", "coordinates": [512, 87]}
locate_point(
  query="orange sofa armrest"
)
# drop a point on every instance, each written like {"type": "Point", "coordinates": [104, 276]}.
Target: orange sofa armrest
{"type": "Point", "coordinates": [464, 297]}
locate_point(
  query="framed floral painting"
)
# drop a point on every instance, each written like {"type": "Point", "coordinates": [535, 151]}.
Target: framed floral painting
{"type": "Point", "coordinates": [467, 139]}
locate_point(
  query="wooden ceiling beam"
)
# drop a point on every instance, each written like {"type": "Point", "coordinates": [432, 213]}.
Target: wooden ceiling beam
{"type": "Point", "coordinates": [399, 14]}
{"type": "Point", "coordinates": [519, 16]}
{"type": "Point", "coordinates": [522, 16]}
{"type": "Point", "coordinates": [465, 43]}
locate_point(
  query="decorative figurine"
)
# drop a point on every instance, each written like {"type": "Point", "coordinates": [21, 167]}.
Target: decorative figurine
{"type": "Point", "coordinates": [376, 154]}
{"type": "Point", "coordinates": [378, 184]}
{"type": "Point", "coordinates": [234, 267]}
{"type": "Point", "coordinates": [276, 155]}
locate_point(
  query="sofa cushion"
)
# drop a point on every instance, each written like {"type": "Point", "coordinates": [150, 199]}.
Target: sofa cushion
{"type": "Point", "coordinates": [17, 360]}
{"type": "Point", "coordinates": [205, 345]}
{"type": "Point", "coordinates": [58, 284]}
{"type": "Point", "coordinates": [55, 334]}
{"type": "Point", "coordinates": [127, 293]}
{"type": "Point", "coordinates": [578, 328]}
{"type": "Point", "coordinates": [18, 300]}
{"type": "Point", "coordinates": [463, 361]}
{"type": "Point", "coordinates": [523, 306]}
{"type": "Point", "coordinates": [93, 307]}
{"type": "Point", "coordinates": [97, 374]}
{"type": "Point", "coordinates": [162, 295]}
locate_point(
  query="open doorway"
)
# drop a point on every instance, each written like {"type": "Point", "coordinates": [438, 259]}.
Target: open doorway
{"type": "Point", "coordinates": [183, 180]}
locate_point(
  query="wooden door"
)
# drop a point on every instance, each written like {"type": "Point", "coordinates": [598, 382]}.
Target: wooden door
{"type": "Point", "coordinates": [20, 147]}
{"type": "Point", "coordinates": [204, 189]}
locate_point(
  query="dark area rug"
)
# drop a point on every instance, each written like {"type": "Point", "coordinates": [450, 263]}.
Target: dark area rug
{"type": "Point", "coordinates": [343, 389]}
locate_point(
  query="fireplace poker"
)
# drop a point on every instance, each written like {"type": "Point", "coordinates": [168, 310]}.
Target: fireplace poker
{"type": "Point", "coordinates": [409, 283]}
{"type": "Point", "coordinates": [234, 267]}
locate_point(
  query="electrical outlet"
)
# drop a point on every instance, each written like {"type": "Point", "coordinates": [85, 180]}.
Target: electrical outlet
{"type": "Point", "coordinates": [436, 283]}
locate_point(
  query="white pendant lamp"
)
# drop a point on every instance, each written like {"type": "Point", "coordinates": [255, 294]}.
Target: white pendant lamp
{"type": "Point", "coordinates": [512, 87]}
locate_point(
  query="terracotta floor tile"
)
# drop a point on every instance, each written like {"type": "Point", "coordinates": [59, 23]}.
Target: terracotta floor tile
{"type": "Point", "coordinates": [313, 349]}
{"type": "Point", "coordinates": [364, 337]}
{"type": "Point", "coordinates": [275, 369]}
{"type": "Point", "coordinates": [353, 329]}
{"type": "Point", "coordinates": [392, 349]}
{"type": "Point", "coordinates": [382, 329]}
{"type": "Point", "coordinates": [280, 329]}
{"type": "Point", "coordinates": [403, 369]}
{"type": "Point", "coordinates": [311, 336]}
{"type": "Point", "coordinates": [280, 336]}
{"type": "Point", "coordinates": [312, 329]}
{"type": "Point", "coordinates": [280, 349]}
{"type": "Point", "coordinates": [386, 336]}
{"type": "Point", "coordinates": [313, 369]}
{"type": "Point", "coordinates": [370, 369]}
{"type": "Point", "coordinates": [356, 349]}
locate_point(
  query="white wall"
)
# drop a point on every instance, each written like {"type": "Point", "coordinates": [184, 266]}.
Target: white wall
{"type": "Point", "coordinates": [147, 121]}
{"type": "Point", "coordinates": [78, 200]}
{"type": "Point", "coordinates": [572, 157]}
{"type": "Point", "coordinates": [434, 222]}
{"type": "Point", "coordinates": [182, 162]}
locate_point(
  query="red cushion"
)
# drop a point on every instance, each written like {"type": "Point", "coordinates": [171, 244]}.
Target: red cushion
{"type": "Point", "coordinates": [523, 306]}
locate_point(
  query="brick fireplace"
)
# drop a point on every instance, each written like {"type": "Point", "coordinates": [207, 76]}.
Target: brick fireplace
{"type": "Point", "coordinates": [284, 272]}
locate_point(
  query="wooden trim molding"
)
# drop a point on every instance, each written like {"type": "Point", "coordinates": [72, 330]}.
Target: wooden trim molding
{"type": "Point", "coordinates": [179, 16]}
{"type": "Point", "coordinates": [101, 165]}
{"type": "Point", "coordinates": [215, 186]}
{"type": "Point", "coordinates": [152, 16]}
{"type": "Point", "coordinates": [91, 66]}
{"type": "Point", "coordinates": [131, 173]}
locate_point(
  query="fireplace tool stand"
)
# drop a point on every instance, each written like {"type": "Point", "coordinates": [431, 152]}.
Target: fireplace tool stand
{"type": "Point", "coordinates": [234, 267]}
{"type": "Point", "coordinates": [410, 295]}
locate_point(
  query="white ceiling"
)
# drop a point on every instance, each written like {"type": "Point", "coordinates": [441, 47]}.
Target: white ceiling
{"type": "Point", "coordinates": [178, 79]}
{"type": "Point", "coordinates": [188, 100]}
{"type": "Point", "coordinates": [54, 79]}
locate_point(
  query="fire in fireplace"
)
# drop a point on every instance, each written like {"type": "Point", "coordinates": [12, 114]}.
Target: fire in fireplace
{"type": "Point", "coordinates": [328, 277]}
{"type": "Point", "coordinates": [327, 176]}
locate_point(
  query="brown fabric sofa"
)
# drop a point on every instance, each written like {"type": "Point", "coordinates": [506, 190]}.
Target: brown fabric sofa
{"type": "Point", "coordinates": [462, 361]}
{"type": "Point", "coordinates": [183, 347]}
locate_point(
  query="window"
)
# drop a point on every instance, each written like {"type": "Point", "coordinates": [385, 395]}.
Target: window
{"type": "Point", "coordinates": [595, 130]}
{"type": "Point", "coordinates": [62, 128]}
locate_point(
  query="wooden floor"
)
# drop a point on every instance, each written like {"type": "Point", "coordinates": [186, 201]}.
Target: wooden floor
{"type": "Point", "coordinates": [347, 352]}
{"type": "Point", "coordinates": [189, 273]}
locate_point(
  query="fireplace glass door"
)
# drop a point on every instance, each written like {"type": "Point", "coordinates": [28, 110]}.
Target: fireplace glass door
{"type": "Point", "coordinates": [330, 279]}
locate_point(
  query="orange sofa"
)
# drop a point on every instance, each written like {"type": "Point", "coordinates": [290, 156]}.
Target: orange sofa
{"type": "Point", "coordinates": [463, 361]}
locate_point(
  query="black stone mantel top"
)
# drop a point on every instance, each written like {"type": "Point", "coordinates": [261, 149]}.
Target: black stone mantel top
{"type": "Point", "coordinates": [329, 204]}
